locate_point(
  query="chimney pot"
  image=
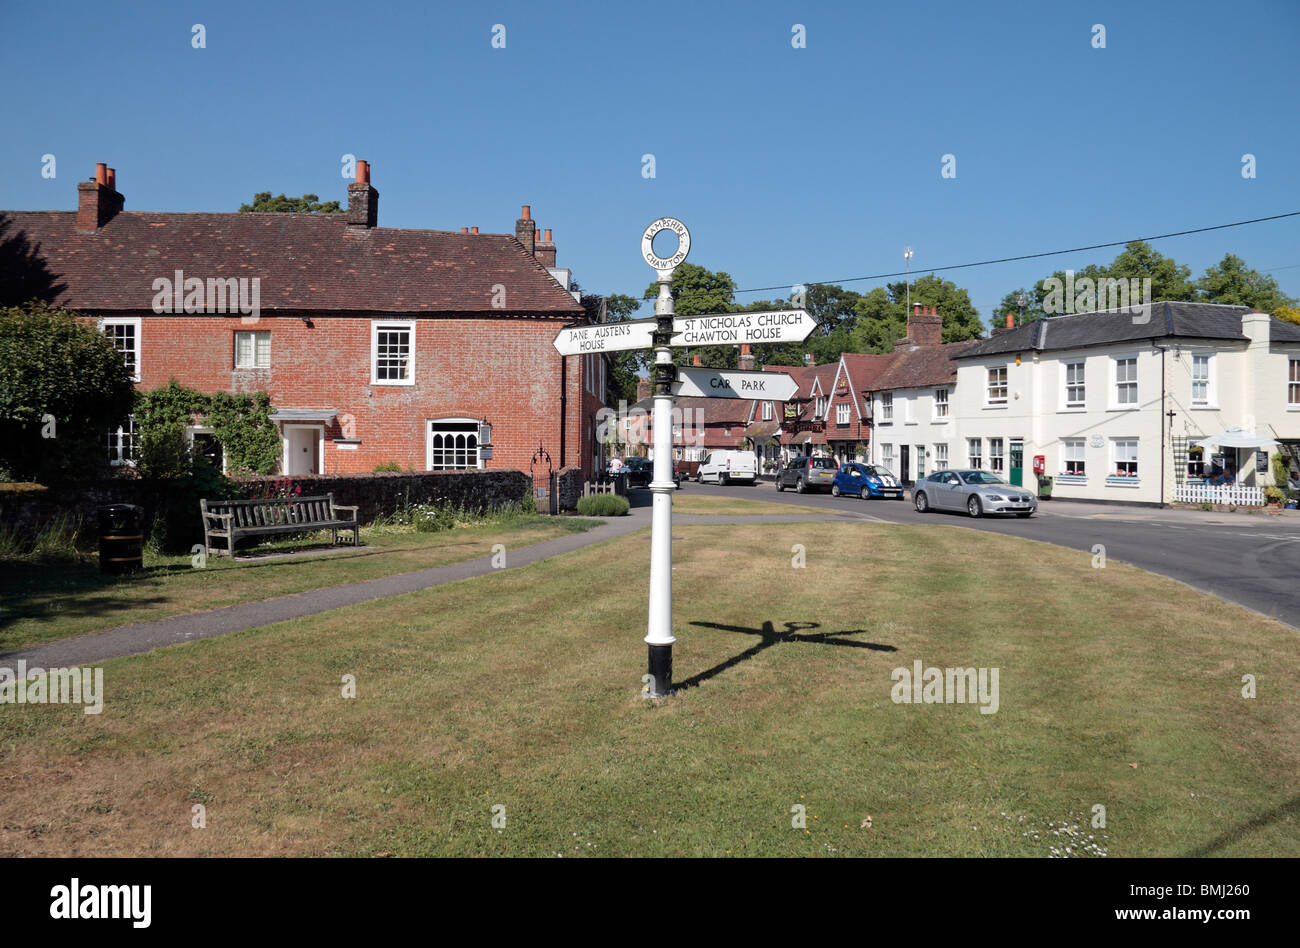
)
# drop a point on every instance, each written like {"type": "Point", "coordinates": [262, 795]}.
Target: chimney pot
{"type": "Point", "coordinates": [473, 230]}
{"type": "Point", "coordinates": [112, 178]}
{"type": "Point", "coordinates": [101, 173]}
{"type": "Point", "coordinates": [464, 230]}
{"type": "Point", "coordinates": [526, 212]}
{"type": "Point", "coordinates": [547, 238]}
{"type": "Point", "coordinates": [363, 172]}
{"type": "Point", "coordinates": [1011, 320]}
{"type": "Point", "coordinates": [695, 360]}
{"type": "Point", "coordinates": [916, 309]}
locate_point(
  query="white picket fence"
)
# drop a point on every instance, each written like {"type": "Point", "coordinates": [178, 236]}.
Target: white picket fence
{"type": "Point", "coordinates": [1235, 495]}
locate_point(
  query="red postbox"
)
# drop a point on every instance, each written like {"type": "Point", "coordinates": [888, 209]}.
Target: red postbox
{"type": "Point", "coordinates": [1040, 464]}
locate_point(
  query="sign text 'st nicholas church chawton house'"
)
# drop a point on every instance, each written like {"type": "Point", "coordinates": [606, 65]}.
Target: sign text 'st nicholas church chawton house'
{"type": "Point", "coordinates": [428, 348]}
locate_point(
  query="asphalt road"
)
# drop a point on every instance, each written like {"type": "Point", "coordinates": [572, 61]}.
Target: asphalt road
{"type": "Point", "coordinates": [1251, 559]}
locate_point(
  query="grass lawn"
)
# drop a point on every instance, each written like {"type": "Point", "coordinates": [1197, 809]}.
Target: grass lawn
{"type": "Point", "coordinates": [520, 689]}
{"type": "Point", "coordinates": [42, 601]}
{"type": "Point", "coordinates": [736, 506]}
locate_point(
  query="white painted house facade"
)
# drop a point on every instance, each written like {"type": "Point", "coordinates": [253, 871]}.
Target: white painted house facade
{"type": "Point", "coordinates": [1115, 403]}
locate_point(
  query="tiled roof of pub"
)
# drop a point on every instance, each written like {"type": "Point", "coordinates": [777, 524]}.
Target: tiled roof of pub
{"type": "Point", "coordinates": [864, 368]}
{"type": "Point", "coordinates": [1168, 319]}
{"type": "Point", "coordinates": [306, 262]}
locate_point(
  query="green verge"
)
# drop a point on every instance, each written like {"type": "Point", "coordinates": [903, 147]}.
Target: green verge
{"type": "Point", "coordinates": [44, 600]}
{"type": "Point", "coordinates": [521, 689]}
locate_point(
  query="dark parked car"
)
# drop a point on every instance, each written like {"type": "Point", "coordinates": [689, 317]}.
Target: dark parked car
{"type": "Point", "coordinates": [866, 481]}
{"type": "Point", "coordinates": [640, 472]}
{"type": "Point", "coordinates": [976, 492]}
{"type": "Point", "coordinates": [807, 473]}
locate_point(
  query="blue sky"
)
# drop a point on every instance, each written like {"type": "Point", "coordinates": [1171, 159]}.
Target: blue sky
{"type": "Point", "coordinates": [787, 164]}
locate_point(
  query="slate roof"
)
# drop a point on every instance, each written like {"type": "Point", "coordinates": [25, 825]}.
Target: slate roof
{"type": "Point", "coordinates": [1169, 319]}
{"type": "Point", "coordinates": [306, 263]}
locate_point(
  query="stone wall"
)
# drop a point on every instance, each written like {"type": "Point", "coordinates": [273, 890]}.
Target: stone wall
{"type": "Point", "coordinates": [569, 487]}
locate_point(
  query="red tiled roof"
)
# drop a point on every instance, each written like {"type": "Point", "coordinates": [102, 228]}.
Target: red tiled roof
{"type": "Point", "coordinates": [924, 365]}
{"type": "Point", "coordinates": [865, 368]}
{"type": "Point", "coordinates": [306, 262]}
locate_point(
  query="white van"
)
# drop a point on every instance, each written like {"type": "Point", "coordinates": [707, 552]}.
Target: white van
{"type": "Point", "coordinates": [728, 467]}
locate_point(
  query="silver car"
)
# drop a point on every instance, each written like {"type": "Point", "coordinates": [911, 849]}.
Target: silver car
{"type": "Point", "coordinates": [976, 492]}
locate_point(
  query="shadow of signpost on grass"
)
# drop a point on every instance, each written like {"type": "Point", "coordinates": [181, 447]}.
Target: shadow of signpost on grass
{"type": "Point", "coordinates": [769, 636]}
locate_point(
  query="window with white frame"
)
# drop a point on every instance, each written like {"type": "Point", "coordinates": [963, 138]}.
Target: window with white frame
{"type": "Point", "coordinates": [842, 413]}
{"type": "Point", "coordinates": [453, 445]}
{"type": "Point", "coordinates": [1293, 386]}
{"type": "Point", "coordinates": [887, 408]}
{"type": "Point", "coordinates": [819, 411]}
{"type": "Point", "coordinates": [1075, 390]}
{"type": "Point", "coordinates": [1201, 379]}
{"type": "Point", "coordinates": [887, 455]}
{"type": "Point", "coordinates": [1125, 452]}
{"type": "Point", "coordinates": [941, 457]}
{"type": "Point", "coordinates": [975, 452]}
{"type": "Point", "coordinates": [124, 334]}
{"type": "Point", "coordinates": [995, 454]}
{"type": "Point", "coordinates": [392, 353]}
{"type": "Point", "coordinates": [1126, 381]}
{"type": "Point", "coordinates": [767, 411]}
{"type": "Point", "coordinates": [1072, 459]}
{"type": "Point", "coordinates": [121, 443]}
{"type": "Point", "coordinates": [940, 404]}
{"type": "Point", "coordinates": [997, 389]}
{"type": "Point", "coordinates": [253, 349]}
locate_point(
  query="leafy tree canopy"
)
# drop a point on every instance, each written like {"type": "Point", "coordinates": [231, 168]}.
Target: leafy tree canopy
{"type": "Point", "coordinates": [263, 203]}
{"type": "Point", "coordinates": [63, 387]}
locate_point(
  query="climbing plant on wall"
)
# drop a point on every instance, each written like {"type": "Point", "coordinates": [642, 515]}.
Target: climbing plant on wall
{"type": "Point", "coordinates": [241, 423]}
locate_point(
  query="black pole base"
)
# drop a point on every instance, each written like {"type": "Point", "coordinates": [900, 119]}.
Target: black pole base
{"type": "Point", "coordinates": [661, 672]}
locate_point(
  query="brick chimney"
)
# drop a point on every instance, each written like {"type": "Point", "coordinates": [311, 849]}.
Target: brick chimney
{"type": "Point", "coordinates": [526, 229]}
{"type": "Point", "coordinates": [363, 200]}
{"type": "Point", "coordinates": [545, 251]}
{"type": "Point", "coordinates": [98, 200]}
{"type": "Point", "coordinates": [642, 389]}
{"type": "Point", "coordinates": [746, 357]}
{"type": "Point", "coordinates": [695, 360]}
{"type": "Point", "coordinates": [924, 328]}
{"type": "Point", "coordinates": [808, 359]}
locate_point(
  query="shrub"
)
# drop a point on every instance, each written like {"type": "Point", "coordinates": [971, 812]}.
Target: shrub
{"type": "Point", "coordinates": [603, 505]}
{"type": "Point", "coordinates": [387, 466]}
{"type": "Point", "coordinates": [62, 388]}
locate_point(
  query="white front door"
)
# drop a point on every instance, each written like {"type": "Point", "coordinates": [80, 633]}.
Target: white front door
{"type": "Point", "coordinates": [302, 449]}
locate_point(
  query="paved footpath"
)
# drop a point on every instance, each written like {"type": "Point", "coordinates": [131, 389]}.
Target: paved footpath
{"type": "Point", "coordinates": [140, 637]}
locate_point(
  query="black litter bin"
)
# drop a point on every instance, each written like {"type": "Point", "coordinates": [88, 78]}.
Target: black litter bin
{"type": "Point", "coordinates": [121, 538]}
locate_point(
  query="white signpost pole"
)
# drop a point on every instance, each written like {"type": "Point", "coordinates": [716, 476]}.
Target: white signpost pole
{"type": "Point", "coordinates": [659, 635]}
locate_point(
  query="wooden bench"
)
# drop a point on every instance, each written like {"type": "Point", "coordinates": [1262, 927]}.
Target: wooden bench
{"type": "Point", "coordinates": [229, 520]}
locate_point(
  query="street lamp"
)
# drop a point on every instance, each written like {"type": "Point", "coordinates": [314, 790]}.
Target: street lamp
{"type": "Point", "coordinates": [907, 257]}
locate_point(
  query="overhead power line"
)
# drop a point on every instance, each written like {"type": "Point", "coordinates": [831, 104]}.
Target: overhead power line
{"type": "Point", "coordinates": [1028, 256]}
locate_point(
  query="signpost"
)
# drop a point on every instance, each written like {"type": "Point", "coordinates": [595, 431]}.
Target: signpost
{"type": "Point", "coordinates": [662, 333]}
{"type": "Point", "coordinates": [730, 383]}
{"type": "Point", "coordinates": [606, 337]}
{"type": "Point", "coordinates": [782, 325]}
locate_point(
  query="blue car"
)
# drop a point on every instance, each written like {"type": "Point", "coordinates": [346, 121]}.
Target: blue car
{"type": "Point", "coordinates": [866, 481]}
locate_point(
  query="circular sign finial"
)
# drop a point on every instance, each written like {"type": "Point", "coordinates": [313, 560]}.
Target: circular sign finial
{"type": "Point", "coordinates": [683, 243]}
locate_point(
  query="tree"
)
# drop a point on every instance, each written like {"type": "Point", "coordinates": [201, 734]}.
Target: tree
{"type": "Point", "coordinates": [1231, 281]}
{"type": "Point", "coordinates": [263, 203]}
{"type": "Point", "coordinates": [1137, 261]}
{"type": "Point", "coordinates": [1033, 308]}
{"type": "Point", "coordinates": [63, 388]}
{"type": "Point", "coordinates": [1290, 313]}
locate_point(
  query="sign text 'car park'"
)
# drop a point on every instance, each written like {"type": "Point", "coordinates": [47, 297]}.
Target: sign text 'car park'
{"type": "Point", "coordinates": [730, 383]}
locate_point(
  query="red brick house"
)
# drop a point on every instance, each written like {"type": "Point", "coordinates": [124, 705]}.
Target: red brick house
{"type": "Point", "coordinates": [425, 347]}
